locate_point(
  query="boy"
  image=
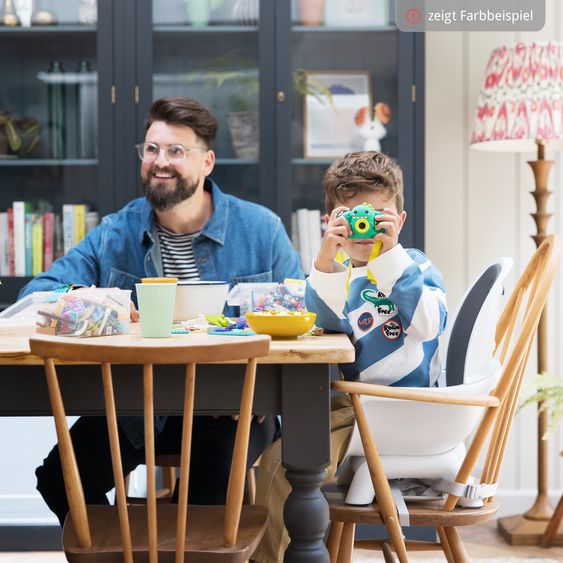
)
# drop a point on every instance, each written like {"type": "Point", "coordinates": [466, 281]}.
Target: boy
{"type": "Point", "coordinates": [391, 303]}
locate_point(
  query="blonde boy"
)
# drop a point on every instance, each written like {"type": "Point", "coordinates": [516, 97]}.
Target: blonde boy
{"type": "Point", "coordinates": [391, 303]}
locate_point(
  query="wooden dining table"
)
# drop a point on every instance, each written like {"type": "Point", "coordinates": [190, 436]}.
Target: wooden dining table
{"type": "Point", "coordinates": [293, 381]}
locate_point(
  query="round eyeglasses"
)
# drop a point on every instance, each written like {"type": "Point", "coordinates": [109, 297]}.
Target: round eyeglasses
{"type": "Point", "coordinates": [149, 152]}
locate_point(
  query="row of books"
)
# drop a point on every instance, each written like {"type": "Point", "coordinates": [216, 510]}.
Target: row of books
{"type": "Point", "coordinates": [30, 241]}
{"type": "Point", "coordinates": [306, 235]}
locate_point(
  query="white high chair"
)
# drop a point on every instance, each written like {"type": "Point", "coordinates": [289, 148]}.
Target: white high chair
{"type": "Point", "coordinates": [394, 448]}
{"type": "Point", "coordinates": [417, 450]}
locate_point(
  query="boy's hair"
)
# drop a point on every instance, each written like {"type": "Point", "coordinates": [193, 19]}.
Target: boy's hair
{"type": "Point", "coordinates": [185, 111]}
{"type": "Point", "coordinates": [359, 172]}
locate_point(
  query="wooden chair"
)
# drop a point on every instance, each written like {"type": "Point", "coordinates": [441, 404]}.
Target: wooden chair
{"type": "Point", "coordinates": [514, 336]}
{"type": "Point", "coordinates": [130, 532]}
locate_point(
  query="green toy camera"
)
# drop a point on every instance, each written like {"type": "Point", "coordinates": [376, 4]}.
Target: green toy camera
{"type": "Point", "coordinates": [363, 221]}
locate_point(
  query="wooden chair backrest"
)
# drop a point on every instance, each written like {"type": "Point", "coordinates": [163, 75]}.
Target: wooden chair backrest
{"type": "Point", "coordinates": [514, 338]}
{"type": "Point", "coordinates": [148, 352]}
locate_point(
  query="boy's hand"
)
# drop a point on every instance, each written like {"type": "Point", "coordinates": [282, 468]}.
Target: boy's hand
{"type": "Point", "coordinates": [391, 222]}
{"type": "Point", "coordinates": [134, 314]}
{"type": "Point", "coordinates": [335, 236]}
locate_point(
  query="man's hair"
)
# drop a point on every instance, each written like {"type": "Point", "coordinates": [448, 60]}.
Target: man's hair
{"type": "Point", "coordinates": [185, 111]}
{"type": "Point", "coordinates": [362, 172]}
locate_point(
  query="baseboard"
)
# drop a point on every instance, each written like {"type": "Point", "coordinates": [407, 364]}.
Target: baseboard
{"type": "Point", "coordinates": [516, 501]}
{"type": "Point", "coordinates": [30, 538]}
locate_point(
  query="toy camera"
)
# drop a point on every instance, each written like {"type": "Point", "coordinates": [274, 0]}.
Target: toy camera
{"type": "Point", "coordinates": [362, 221]}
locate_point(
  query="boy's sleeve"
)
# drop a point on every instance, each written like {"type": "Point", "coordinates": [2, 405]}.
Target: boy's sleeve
{"type": "Point", "coordinates": [416, 287]}
{"type": "Point", "coordinates": [325, 294]}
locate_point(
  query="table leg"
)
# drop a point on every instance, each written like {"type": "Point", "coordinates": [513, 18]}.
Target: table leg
{"type": "Point", "coordinates": [306, 454]}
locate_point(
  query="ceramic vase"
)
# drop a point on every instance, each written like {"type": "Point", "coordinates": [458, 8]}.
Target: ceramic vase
{"type": "Point", "coordinates": [311, 12]}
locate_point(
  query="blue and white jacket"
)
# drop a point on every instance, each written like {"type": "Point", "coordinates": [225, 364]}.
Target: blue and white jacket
{"type": "Point", "coordinates": [394, 324]}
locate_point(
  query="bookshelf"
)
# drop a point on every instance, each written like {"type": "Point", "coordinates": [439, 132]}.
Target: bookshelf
{"type": "Point", "coordinates": [142, 50]}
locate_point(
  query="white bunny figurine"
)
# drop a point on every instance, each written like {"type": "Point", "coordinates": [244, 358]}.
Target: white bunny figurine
{"type": "Point", "coordinates": [371, 130]}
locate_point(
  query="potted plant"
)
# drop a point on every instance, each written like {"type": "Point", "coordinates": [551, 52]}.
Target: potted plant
{"type": "Point", "coordinates": [546, 389]}
{"type": "Point", "coordinates": [240, 76]}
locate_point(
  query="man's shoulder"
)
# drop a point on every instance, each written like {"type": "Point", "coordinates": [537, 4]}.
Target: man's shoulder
{"type": "Point", "coordinates": [249, 210]}
{"type": "Point", "coordinates": [134, 210]}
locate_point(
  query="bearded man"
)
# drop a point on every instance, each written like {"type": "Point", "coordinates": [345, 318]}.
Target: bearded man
{"type": "Point", "coordinates": [184, 227]}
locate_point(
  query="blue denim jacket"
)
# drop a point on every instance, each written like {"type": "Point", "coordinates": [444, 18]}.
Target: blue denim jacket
{"type": "Point", "coordinates": [242, 242]}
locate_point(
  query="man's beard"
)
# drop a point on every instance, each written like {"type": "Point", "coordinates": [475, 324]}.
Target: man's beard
{"type": "Point", "coordinates": [160, 195]}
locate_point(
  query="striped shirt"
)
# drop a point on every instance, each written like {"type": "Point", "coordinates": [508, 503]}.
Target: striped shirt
{"type": "Point", "coordinates": [394, 324]}
{"type": "Point", "coordinates": [178, 260]}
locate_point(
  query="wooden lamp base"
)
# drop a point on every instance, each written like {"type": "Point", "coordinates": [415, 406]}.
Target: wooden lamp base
{"type": "Point", "coordinates": [529, 528]}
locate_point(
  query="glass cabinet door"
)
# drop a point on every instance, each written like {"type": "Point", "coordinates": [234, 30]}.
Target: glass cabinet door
{"type": "Point", "coordinates": [209, 50]}
{"type": "Point", "coordinates": [48, 132]}
{"type": "Point", "coordinates": [344, 58]}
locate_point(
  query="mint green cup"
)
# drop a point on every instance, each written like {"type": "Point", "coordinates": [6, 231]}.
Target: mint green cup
{"type": "Point", "coordinates": [156, 306]}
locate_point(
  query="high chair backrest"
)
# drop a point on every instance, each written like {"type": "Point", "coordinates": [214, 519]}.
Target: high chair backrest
{"type": "Point", "coordinates": [514, 338]}
{"type": "Point", "coordinates": [128, 349]}
{"type": "Point", "coordinates": [470, 336]}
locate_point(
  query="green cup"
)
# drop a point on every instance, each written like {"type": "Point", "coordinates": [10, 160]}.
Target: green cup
{"type": "Point", "coordinates": [156, 307]}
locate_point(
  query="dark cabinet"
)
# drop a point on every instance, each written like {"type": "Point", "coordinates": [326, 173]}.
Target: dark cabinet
{"type": "Point", "coordinates": [263, 72]}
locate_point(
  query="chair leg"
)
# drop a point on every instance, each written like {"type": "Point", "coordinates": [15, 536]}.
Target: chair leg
{"type": "Point", "coordinates": [445, 545]}
{"type": "Point", "coordinates": [459, 553]}
{"type": "Point", "coordinates": [388, 554]}
{"type": "Point", "coordinates": [250, 492]}
{"type": "Point", "coordinates": [346, 543]}
{"type": "Point", "coordinates": [333, 542]}
{"type": "Point", "coordinates": [553, 525]}
{"type": "Point", "coordinates": [168, 481]}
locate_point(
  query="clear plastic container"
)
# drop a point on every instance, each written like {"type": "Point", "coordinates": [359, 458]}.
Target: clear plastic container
{"type": "Point", "coordinates": [84, 312]}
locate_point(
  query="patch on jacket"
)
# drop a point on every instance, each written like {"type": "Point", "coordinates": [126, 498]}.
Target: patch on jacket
{"type": "Point", "coordinates": [392, 329]}
{"type": "Point", "coordinates": [383, 305]}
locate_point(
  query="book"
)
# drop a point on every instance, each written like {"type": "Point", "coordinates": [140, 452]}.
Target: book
{"type": "Point", "coordinates": [92, 220]}
{"type": "Point", "coordinates": [10, 213]}
{"type": "Point", "coordinates": [303, 237]}
{"type": "Point", "coordinates": [19, 237]}
{"type": "Point", "coordinates": [37, 243]}
{"type": "Point", "coordinates": [58, 244]}
{"type": "Point", "coordinates": [314, 224]}
{"type": "Point", "coordinates": [28, 243]}
{"type": "Point", "coordinates": [48, 239]}
{"type": "Point", "coordinates": [68, 227]}
{"type": "Point", "coordinates": [79, 230]}
{"type": "Point", "coordinates": [4, 245]}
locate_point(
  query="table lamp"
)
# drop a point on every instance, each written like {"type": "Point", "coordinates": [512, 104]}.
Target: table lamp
{"type": "Point", "coordinates": [520, 110]}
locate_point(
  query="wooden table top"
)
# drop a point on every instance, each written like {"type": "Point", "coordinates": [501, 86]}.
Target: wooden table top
{"type": "Point", "coordinates": [326, 349]}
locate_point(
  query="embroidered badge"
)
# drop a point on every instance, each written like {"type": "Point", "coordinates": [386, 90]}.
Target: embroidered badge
{"type": "Point", "coordinates": [365, 321]}
{"type": "Point", "coordinates": [391, 329]}
{"type": "Point", "coordinates": [383, 305]}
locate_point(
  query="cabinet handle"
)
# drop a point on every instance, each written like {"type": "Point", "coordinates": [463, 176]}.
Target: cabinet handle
{"type": "Point", "coordinates": [280, 96]}
{"type": "Point", "coordinates": [113, 95]}
{"type": "Point", "coordinates": [137, 95]}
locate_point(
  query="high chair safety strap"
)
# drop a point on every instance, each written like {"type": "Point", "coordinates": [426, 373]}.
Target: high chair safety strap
{"type": "Point", "coordinates": [471, 491]}
{"type": "Point", "coordinates": [402, 510]}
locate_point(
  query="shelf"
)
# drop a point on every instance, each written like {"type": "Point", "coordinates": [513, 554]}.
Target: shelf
{"type": "Point", "coordinates": [205, 29]}
{"type": "Point", "coordinates": [313, 161]}
{"type": "Point", "coordinates": [41, 29]}
{"type": "Point", "coordinates": [48, 162]}
{"type": "Point", "coordinates": [236, 161]}
{"type": "Point", "coordinates": [344, 29]}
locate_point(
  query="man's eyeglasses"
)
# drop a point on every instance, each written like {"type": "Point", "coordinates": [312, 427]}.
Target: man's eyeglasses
{"type": "Point", "coordinates": [149, 152]}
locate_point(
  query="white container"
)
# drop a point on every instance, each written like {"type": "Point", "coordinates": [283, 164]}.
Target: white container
{"type": "Point", "coordinates": [199, 297]}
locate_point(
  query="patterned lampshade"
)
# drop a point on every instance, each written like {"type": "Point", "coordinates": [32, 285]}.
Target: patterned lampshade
{"type": "Point", "coordinates": [521, 99]}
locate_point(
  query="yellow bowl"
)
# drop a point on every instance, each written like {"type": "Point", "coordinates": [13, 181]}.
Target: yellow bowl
{"type": "Point", "coordinates": [281, 324]}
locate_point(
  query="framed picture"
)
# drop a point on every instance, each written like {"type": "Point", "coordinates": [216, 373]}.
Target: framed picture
{"type": "Point", "coordinates": [356, 13]}
{"type": "Point", "coordinates": [333, 98]}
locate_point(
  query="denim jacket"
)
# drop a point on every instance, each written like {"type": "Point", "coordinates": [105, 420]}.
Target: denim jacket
{"type": "Point", "coordinates": [241, 242]}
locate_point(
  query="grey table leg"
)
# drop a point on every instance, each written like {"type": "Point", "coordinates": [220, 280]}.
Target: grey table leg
{"type": "Point", "coordinates": [305, 455]}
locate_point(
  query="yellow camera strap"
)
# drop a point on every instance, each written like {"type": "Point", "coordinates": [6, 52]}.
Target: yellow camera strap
{"type": "Point", "coordinates": [375, 249]}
